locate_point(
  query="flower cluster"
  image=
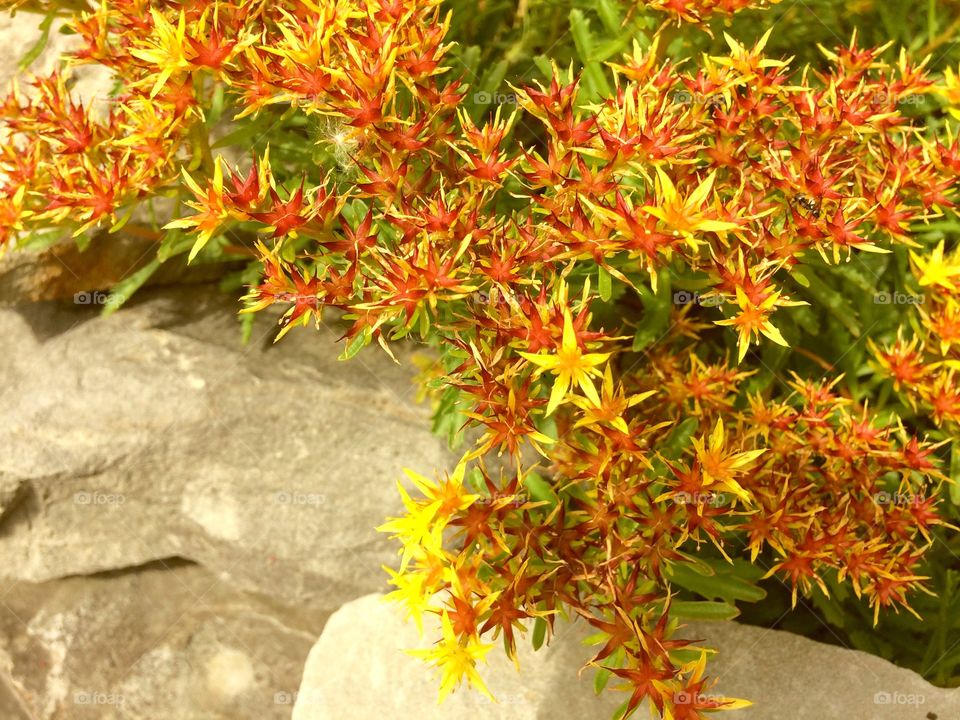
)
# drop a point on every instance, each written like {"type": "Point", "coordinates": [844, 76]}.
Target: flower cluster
{"type": "Point", "coordinates": [697, 11]}
{"type": "Point", "coordinates": [923, 368]}
{"type": "Point", "coordinates": [61, 164]}
{"type": "Point", "coordinates": [810, 477]}
{"type": "Point", "coordinates": [64, 162]}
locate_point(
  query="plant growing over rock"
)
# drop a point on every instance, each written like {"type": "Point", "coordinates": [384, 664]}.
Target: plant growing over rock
{"type": "Point", "coordinates": [673, 299]}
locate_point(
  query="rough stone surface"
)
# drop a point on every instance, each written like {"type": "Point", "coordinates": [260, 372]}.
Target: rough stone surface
{"type": "Point", "coordinates": [169, 641]}
{"type": "Point", "coordinates": [358, 670]}
{"type": "Point", "coordinates": [153, 433]}
{"type": "Point", "coordinates": [64, 272]}
{"type": "Point", "coordinates": [9, 487]}
{"type": "Point", "coordinates": [789, 676]}
{"type": "Point", "coordinates": [19, 32]}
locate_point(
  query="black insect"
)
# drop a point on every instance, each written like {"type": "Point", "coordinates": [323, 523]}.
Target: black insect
{"type": "Point", "coordinates": [931, 716]}
{"type": "Point", "coordinates": [811, 205]}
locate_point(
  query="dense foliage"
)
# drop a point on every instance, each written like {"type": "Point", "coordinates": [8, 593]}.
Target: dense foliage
{"type": "Point", "coordinates": [695, 316]}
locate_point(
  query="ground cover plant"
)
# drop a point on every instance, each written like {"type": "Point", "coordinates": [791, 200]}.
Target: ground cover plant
{"type": "Point", "coordinates": [691, 302]}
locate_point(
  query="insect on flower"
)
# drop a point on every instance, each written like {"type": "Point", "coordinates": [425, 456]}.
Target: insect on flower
{"type": "Point", "coordinates": [811, 205]}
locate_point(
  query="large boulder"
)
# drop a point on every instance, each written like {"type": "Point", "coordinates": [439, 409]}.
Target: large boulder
{"type": "Point", "coordinates": [358, 669]}
{"type": "Point", "coordinates": [155, 433]}
{"type": "Point", "coordinates": [168, 641]}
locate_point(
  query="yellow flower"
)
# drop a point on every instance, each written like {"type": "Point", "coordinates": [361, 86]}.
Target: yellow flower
{"type": "Point", "coordinates": [719, 466]}
{"type": "Point", "coordinates": [416, 530]}
{"type": "Point", "coordinates": [754, 318]}
{"type": "Point", "coordinates": [935, 270]}
{"type": "Point", "coordinates": [570, 365]}
{"type": "Point", "coordinates": [950, 90]}
{"type": "Point", "coordinates": [421, 529]}
{"type": "Point", "coordinates": [414, 592]}
{"type": "Point", "coordinates": [748, 63]}
{"type": "Point", "coordinates": [612, 407]}
{"type": "Point", "coordinates": [210, 206]}
{"type": "Point", "coordinates": [167, 50]}
{"type": "Point", "coordinates": [456, 659]}
{"type": "Point", "coordinates": [447, 495]}
{"type": "Point", "coordinates": [686, 216]}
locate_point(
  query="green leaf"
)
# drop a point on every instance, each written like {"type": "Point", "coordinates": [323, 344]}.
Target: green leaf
{"type": "Point", "coordinates": [470, 59]}
{"type": "Point", "coordinates": [38, 240]}
{"type": "Point", "coordinates": [83, 240]}
{"type": "Point", "coordinates": [604, 284]}
{"type": "Point", "coordinates": [726, 586]}
{"type": "Point", "coordinates": [539, 632]}
{"type": "Point", "coordinates": [246, 327]}
{"type": "Point", "coordinates": [247, 131]}
{"type": "Point", "coordinates": [955, 473]}
{"type": "Point", "coordinates": [610, 16]}
{"type": "Point", "coordinates": [540, 490]}
{"type": "Point", "coordinates": [122, 221]}
{"type": "Point", "coordinates": [448, 417]}
{"type": "Point", "coordinates": [543, 65]}
{"type": "Point", "coordinates": [125, 289]}
{"type": "Point", "coordinates": [703, 610]}
{"type": "Point", "coordinates": [656, 317]}
{"type": "Point", "coordinates": [798, 275]}
{"type": "Point", "coordinates": [609, 48]}
{"type": "Point", "coordinates": [595, 81]}
{"type": "Point", "coordinates": [491, 84]}
{"type": "Point", "coordinates": [357, 343]}
{"type": "Point", "coordinates": [174, 242]}
{"type": "Point", "coordinates": [34, 52]}
{"type": "Point", "coordinates": [216, 105]}
{"type": "Point", "coordinates": [826, 295]}
{"type": "Point", "coordinates": [600, 679]}
{"type": "Point", "coordinates": [831, 610]}
{"type": "Point", "coordinates": [679, 438]}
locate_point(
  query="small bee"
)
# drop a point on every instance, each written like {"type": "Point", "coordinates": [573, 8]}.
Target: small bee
{"type": "Point", "coordinates": [811, 205]}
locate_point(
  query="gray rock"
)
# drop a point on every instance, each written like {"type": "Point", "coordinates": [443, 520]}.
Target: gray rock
{"type": "Point", "coordinates": [9, 492]}
{"type": "Point", "coordinates": [789, 676]}
{"type": "Point", "coordinates": [168, 641]}
{"type": "Point", "coordinates": [19, 33]}
{"type": "Point", "coordinates": [154, 433]}
{"type": "Point", "coordinates": [63, 272]}
{"type": "Point", "coordinates": [358, 670]}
